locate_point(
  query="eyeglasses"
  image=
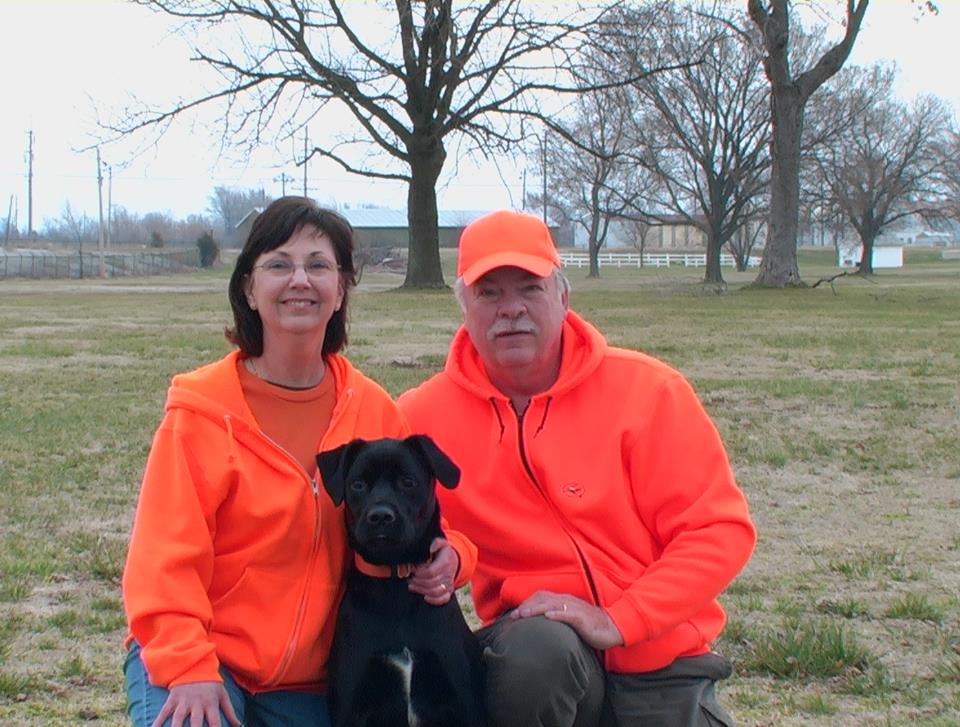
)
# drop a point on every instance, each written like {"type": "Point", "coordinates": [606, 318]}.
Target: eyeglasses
{"type": "Point", "coordinates": [280, 268]}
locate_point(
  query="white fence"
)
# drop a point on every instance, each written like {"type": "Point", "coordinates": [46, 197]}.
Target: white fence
{"type": "Point", "coordinates": [651, 260]}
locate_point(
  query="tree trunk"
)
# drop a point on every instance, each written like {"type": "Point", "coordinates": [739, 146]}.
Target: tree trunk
{"type": "Point", "coordinates": [423, 249]}
{"type": "Point", "coordinates": [778, 268]}
{"type": "Point", "coordinates": [594, 250]}
{"type": "Point", "coordinates": [713, 275]}
{"type": "Point", "coordinates": [593, 246]}
{"type": "Point", "coordinates": [866, 259]}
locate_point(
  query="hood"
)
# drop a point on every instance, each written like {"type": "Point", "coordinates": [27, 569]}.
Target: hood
{"type": "Point", "coordinates": [213, 391]}
{"type": "Point", "coordinates": [582, 349]}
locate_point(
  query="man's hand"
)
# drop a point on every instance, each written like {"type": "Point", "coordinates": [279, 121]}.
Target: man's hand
{"type": "Point", "coordinates": [434, 579]}
{"type": "Point", "coordinates": [592, 624]}
{"type": "Point", "coordinates": [190, 704]}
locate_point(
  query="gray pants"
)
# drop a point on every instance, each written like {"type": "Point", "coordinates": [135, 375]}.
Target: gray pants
{"type": "Point", "coordinates": [540, 674]}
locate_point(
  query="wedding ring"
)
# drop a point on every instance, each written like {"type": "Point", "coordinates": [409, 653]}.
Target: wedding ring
{"type": "Point", "coordinates": [443, 587]}
{"type": "Point", "coordinates": [564, 607]}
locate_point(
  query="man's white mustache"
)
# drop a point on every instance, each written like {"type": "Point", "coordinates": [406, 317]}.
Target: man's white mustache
{"type": "Point", "coordinates": [500, 329]}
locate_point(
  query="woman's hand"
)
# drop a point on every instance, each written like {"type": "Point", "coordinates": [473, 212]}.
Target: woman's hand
{"type": "Point", "coordinates": [434, 579]}
{"type": "Point", "coordinates": [190, 704]}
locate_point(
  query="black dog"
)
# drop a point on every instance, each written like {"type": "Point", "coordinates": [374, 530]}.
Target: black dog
{"type": "Point", "coordinates": [396, 660]}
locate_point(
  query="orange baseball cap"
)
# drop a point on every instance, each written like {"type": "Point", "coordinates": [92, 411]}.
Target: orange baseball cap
{"type": "Point", "coordinates": [502, 239]}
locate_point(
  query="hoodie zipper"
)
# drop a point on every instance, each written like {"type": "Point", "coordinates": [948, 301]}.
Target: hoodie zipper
{"type": "Point", "coordinates": [556, 511]}
{"type": "Point", "coordinates": [298, 621]}
{"type": "Point", "coordinates": [314, 485]}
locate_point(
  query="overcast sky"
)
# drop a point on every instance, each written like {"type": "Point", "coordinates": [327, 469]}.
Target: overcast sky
{"type": "Point", "coordinates": [66, 62]}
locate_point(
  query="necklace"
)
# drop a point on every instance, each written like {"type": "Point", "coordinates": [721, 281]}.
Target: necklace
{"type": "Point", "coordinates": [252, 367]}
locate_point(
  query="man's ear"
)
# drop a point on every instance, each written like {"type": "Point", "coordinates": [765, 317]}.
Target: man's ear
{"type": "Point", "coordinates": [441, 466]}
{"type": "Point", "coordinates": [334, 465]}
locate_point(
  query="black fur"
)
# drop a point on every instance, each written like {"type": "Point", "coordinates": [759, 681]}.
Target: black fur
{"type": "Point", "coordinates": [392, 516]}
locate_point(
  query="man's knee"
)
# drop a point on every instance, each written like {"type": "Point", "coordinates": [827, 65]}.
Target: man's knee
{"type": "Point", "coordinates": [536, 643]}
{"type": "Point", "coordinates": [539, 672]}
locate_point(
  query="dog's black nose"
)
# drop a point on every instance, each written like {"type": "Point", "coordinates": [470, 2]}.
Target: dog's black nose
{"type": "Point", "coordinates": [381, 516]}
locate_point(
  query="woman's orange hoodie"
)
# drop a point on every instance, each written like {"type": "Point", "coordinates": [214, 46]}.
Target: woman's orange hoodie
{"type": "Point", "coordinates": [613, 486]}
{"type": "Point", "coordinates": [236, 555]}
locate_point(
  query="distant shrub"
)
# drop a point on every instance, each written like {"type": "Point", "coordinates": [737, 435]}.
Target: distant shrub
{"type": "Point", "coordinates": [156, 239]}
{"type": "Point", "coordinates": [209, 249]}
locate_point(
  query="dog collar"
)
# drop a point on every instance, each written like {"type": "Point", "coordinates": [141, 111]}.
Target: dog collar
{"type": "Point", "coordinates": [404, 570]}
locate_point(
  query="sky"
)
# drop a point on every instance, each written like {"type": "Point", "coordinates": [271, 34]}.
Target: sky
{"type": "Point", "coordinates": [68, 64]}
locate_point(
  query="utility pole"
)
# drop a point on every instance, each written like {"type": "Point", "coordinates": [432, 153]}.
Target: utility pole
{"type": "Point", "coordinates": [103, 271]}
{"type": "Point", "coordinates": [283, 179]}
{"type": "Point", "coordinates": [109, 206]}
{"type": "Point", "coordinates": [543, 159]}
{"type": "Point", "coordinates": [6, 236]}
{"type": "Point", "coordinates": [304, 162]}
{"type": "Point", "coordinates": [30, 184]}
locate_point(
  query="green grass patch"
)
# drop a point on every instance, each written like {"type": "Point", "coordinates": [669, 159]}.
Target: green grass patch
{"type": "Point", "coordinates": [808, 648]}
{"type": "Point", "coordinates": [917, 606]}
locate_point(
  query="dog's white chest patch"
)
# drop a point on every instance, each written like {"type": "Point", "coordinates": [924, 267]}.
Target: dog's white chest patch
{"type": "Point", "coordinates": [402, 661]}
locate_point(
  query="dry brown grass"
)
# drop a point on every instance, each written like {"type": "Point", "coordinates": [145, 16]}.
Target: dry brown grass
{"type": "Point", "coordinates": [840, 409]}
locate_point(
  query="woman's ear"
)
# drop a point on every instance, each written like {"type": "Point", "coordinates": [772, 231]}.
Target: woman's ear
{"type": "Point", "coordinates": [248, 291]}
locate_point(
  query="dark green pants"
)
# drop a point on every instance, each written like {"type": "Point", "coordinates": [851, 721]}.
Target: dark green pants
{"type": "Point", "coordinates": [540, 674]}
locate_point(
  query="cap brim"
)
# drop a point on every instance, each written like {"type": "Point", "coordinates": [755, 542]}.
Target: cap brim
{"type": "Point", "coordinates": [531, 263]}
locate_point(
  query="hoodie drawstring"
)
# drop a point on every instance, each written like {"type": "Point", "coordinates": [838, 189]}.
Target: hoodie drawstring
{"type": "Point", "coordinates": [543, 419]}
{"type": "Point", "coordinates": [496, 410]}
{"type": "Point", "coordinates": [232, 454]}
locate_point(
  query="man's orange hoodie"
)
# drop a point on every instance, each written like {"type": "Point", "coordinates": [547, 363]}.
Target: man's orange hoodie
{"type": "Point", "coordinates": [612, 486]}
{"type": "Point", "coordinates": [236, 554]}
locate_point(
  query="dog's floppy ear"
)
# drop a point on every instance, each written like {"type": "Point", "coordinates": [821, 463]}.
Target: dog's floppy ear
{"type": "Point", "coordinates": [334, 465]}
{"type": "Point", "coordinates": [440, 464]}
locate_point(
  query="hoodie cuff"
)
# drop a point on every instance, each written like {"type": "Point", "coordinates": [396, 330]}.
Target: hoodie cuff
{"type": "Point", "coordinates": [628, 621]}
{"type": "Point", "coordinates": [466, 552]}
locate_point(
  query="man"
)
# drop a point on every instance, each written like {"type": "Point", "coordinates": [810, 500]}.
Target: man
{"type": "Point", "coordinates": [597, 491]}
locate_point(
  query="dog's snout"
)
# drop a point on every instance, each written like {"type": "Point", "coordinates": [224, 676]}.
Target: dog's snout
{"type": "Point", "coordinates": [381, 515]}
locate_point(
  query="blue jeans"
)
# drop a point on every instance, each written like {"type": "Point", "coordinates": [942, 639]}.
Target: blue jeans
{"type": "Point", "coordinates": [265, 709]}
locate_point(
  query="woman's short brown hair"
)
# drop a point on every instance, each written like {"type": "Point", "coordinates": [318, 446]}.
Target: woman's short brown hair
{"type": "Point", "coordinates": [280, 221]}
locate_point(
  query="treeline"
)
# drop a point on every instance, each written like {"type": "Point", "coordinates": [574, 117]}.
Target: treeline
{"type": "Point", "coordinates": [689, 141]}
{"type": "Point", "coordinates": [227, 206]}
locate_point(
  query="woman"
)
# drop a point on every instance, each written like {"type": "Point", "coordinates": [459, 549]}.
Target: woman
{"type": "Point", "coordinates": [237, 555]}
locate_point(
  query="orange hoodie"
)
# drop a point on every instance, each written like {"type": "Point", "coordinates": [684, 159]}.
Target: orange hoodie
{"type": "Point", "coordinates": [236, 555]}
{"type": "Point", "coordinates": [613, 486]}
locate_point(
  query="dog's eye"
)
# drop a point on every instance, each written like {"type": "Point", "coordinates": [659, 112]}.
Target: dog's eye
{"type": "Point", "coordinates": [358, 486]}
{"type": "Point", "coordinates": [407, 483]}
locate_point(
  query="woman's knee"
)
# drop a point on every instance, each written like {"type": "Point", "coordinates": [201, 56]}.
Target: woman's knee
{"type": "Point", "coordinates": [144, 700]}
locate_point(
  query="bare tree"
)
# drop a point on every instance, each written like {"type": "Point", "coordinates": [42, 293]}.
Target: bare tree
{"type": "Point", "coordinates": [593, 182]}
{"type": "Point", "coordinates": [412, 82]}
{"type": "Point", "coordinates": [706, 134]}
{"type": "Point", "coordinates": [790, 91]}
{"type": "Point", "coordinates": [888, 164]}
{"type": "Point", "coordinates": [72, 227]}
{"type": "Point", "coordinates": [746, 238]}
{"type": "Point", "coordinates": [951, 173]}
{"type": "Point", "coordinates": [229, 205]}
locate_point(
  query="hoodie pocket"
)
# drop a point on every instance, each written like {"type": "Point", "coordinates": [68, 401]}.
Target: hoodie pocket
{"type": "Point", "coordinates": [253, 622]}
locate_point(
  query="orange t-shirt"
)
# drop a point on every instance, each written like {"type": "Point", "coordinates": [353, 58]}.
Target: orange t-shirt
{"type": "Point", "coordinates": [295, 419]}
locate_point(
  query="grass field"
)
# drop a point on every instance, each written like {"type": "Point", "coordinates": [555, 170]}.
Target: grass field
{"type": "Point", "coordinates": [840, 407]}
